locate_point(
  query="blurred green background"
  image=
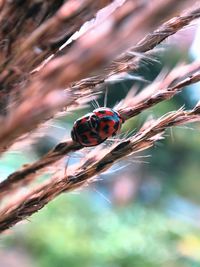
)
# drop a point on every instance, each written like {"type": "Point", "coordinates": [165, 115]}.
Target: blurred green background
{"type": "Point", "coordinates": [145, 212]}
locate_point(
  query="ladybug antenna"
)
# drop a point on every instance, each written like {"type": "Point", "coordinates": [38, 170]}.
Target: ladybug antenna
{"type": "Point", "coordinates": [95, 104]}
{"type": "Point", "coordinates": [105, 97]}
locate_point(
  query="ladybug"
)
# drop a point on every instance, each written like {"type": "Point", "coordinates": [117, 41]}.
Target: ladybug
{"type": "Point", "coordinates": [94, 128]}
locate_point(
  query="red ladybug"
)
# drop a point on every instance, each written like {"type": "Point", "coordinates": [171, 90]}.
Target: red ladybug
{"type": "Point", "coordinates": [94, 128]}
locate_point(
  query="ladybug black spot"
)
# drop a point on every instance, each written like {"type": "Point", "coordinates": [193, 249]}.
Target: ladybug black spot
{"type": "Point", "coordinates": [85, 139]}
{"type": "Point", "coordinates": [116, 125]}
{"type": "Point", "coordinates": [92, 134]}
{"type": "Point", "coordinates": [102, 111]}
{"type": "Point", "coordinates": [73, 135]}
{"type": "Point", "coordinates": [78, 122]}
{"type": "Point", "coordinates": [105, 119]}
{"type": "Point", "coordinates": [82, 128]}
{"type": "Point", "coordinates": [106, 129]}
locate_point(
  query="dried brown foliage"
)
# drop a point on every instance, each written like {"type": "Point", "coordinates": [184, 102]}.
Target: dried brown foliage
{"type": "Point", "coordinates": [40, 76]}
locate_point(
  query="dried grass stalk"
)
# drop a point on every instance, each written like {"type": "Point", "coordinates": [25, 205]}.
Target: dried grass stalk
{"type": "Point", "coordinates": [163, 90]}
{"type": "Point", "coordinates": [122, 29]}
{"type": "Point", "coordinates": [36, 96]}
{"type": "Point", "coordinates": [126, 61]}
{"type": "Point", "coordinates": [28, 51]}
{"type": "Point", "coordinates": [39, 197]}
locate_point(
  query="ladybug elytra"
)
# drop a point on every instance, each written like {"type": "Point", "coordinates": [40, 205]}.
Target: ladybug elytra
{"type": "Point", "coordinates": [94, 128]}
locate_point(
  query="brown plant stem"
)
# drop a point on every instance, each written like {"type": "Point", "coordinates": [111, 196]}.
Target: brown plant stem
{"type": "Point", "coordinates": [126, 62]}
{"type": "Point", "coordinates": [25, 175]}
{"type": "Point", "coordinates": [28, 173]}
{"type": "Point", "coordinates": [47, 38]}
{"type": "Point", "coordinates": [164, 31]}
{"type": "Point", "coordinates": [39, 197]}
{"type": "Point", "coordinates": [165, 92]}
{"type": "Point", "coordinates": [116, 28]}
{"type": "Point", "coordinates": [122, 29]}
